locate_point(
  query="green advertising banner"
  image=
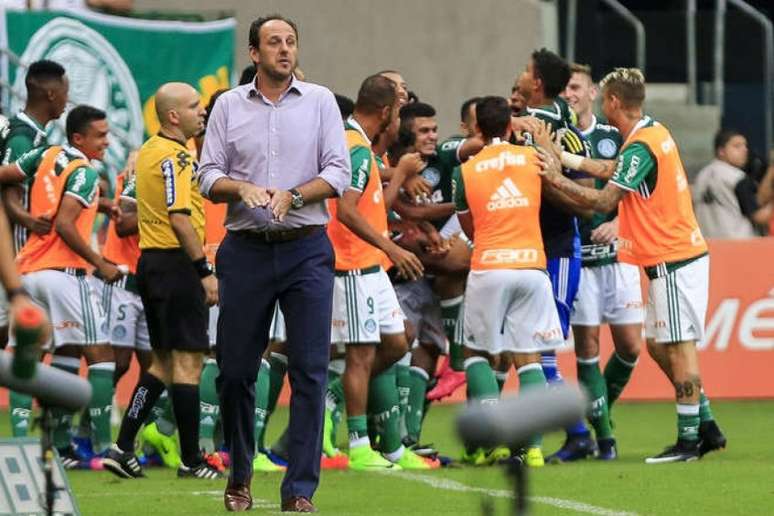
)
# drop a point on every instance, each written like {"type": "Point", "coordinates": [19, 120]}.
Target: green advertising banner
{"type": "Point", "coordinates": [116, 64]}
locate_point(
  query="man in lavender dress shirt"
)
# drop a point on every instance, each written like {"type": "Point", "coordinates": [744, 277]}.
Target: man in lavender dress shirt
{"type": "Point", "coordinates": [275, 150]}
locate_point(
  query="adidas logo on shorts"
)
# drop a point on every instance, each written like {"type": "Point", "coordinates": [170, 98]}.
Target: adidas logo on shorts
{"type": "Point", "coordinates": [507, 196]}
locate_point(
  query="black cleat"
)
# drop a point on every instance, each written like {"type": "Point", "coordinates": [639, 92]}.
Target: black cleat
{"type": "Point", "coordinates": [682, 451]}
{"type": "Point", "coordinates": [423, 450]}
{"type": "Point", "coordinates": [710, 437]}
{"type": "Point", "coordinates": [574, 448]}
{"type": "Point", "coordinates": [122, 464]}
{"type": "Point", "coordinates": [607, 449]}
{"type": "Point", "coordinates": [69, 457]}
{"type": "Point", "coordinates": [199, 470]}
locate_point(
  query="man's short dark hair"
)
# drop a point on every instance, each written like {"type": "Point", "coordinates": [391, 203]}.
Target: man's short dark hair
{"type": "Point", "coordinates": [346, 105]}
{"type": "Point", "coordinates": [416, 109]}
{"type": "Point", "coordinates": [465, 109]}
{"type": "Point", "coordinates": [493, 115]}
{"type": "Point", "coordinates": [375, 93]}
{"type": "Point", "coordinates": [407, 115]}
{"type": "Point", "coordinates": [41, 72]}
{"type": "Point", "coordinates": [80, 117]}
{"type": "Point", "coordinates": [724, 136]}
{"type": "Point", "coordinates": [255, 28]}
{"type": "Point", "coordinates": [552, 70]}
{"type": "Point", "coordinates": [248, 74]}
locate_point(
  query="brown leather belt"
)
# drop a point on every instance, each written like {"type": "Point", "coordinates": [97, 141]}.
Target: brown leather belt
{"type": "Point", "coordinates": [279, 235]}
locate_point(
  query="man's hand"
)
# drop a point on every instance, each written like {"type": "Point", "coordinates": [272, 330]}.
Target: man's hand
{"type": "Point", "coordinates": [550, 167]}
{"type": "Point", "coordinates": [605, 233]}
{"type": "Point", "coordinates": [210, 285]}
{"type": "Point", "coordinates": [40, 225]}
{"type": "Point", "coordinates": [545, 139]}
{"type": "Point", "coordinates": [407, 263]}
{"type": "Point", "coordinates": [280, 202]}
{"type": "Point", "coordinates": [253, 196]}
{"type": "Point", "coordinates": [109, 272]}
{"type": "Point", "coordinates": [524, 124]}
{"type": "Point", "coordinates": [411, 163]}
{"type": "Point", "coordinates": [418, 189]}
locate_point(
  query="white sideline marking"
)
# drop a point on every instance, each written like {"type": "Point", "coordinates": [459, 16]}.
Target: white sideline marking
{"type": "Point", "coordinates": [453, 485]}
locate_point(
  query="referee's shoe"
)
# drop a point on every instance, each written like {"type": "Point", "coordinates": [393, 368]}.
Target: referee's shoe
{"type": "Point", "coordinates": [122, 464]}
{"type": "Point", "coordinates": [125, 465]}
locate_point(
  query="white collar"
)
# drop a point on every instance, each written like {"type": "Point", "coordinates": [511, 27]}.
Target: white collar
{"type": "Point", "coordinates": [357, 127]}
{"type": "Point", "coordinates": [591, 128]}
{"type": "Point", "coordinates": [72, 150]}
{"type": "Point", "coordinates": [24, 117]}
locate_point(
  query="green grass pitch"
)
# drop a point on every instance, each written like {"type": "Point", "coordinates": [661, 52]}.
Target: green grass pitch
{"type": "Point", "coordinates": [739, 480]}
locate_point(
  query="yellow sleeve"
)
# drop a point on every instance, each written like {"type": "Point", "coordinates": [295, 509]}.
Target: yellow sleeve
{"type": "Point", "coordinates": [177, 176]}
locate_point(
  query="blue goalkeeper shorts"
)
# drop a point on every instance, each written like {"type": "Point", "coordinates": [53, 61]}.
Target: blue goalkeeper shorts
{"type": "Point", "coordinates": [565, 278]}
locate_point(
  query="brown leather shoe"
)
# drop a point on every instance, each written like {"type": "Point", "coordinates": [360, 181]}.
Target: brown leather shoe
{"type": "Point", "coordinates": [298, 504]}
{"type": "Point", "coordinates": [237, 498]}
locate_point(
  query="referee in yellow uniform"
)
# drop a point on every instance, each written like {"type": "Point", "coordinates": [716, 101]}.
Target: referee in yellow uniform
{"type": "Point", "coordinates": [175, 281]}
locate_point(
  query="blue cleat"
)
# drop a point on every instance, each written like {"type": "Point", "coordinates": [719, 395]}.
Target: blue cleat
{"type": "Point", "coordinates": [83, 448]}
{"type": "Point", "coordinates": [575, 447]}
{"type": "Point", "coordinates": [607, 449]}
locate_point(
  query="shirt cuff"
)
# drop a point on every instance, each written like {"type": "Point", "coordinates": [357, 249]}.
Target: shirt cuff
{"type": "Point", "coordinates": [337, 180]}
{"type": "Point", "coordinates": [622, 186]}
{"type": "Point", "coordinates": [206, 181]}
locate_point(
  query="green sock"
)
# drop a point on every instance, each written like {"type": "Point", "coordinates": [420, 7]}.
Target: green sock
{"type": "Point", "coordinates": [688, 422]}
{"type": "Point", "coordinates": [358, 431]}
{"type": "Point", "coordinates": [164, 416]}
{"type": "Point", "coordinates": [705, 411]}
{"type": "Point", "coordinates": [209, 405]}
{"type": "Point", "coordinates": [452, 327]}
{"type": "Point", "coordinates": [101, 404]}
{"type": "Point", "coordinates": [591, 378]}
{"type": "Point", "coordinates": [63, 419]}
{"type": "Point", "coordinates": [404, 385]}
{"type": "Point", "coordinates": [278, 366]}
{"type": "Point", "coordinates": [501, 377]}
{"type": "Point", "coordinates": [482, 384]}
{"type": "Point", "coordinates": [617, 374]}
{"type": "Point", "coordinates": [335, 370]}
{"type": "Point", "coordinates": [261, 402]}
{"type": "Point", "coordinates": [418, 380]}
{"type": "Point", "coordinates": [84, 424]}
{"type": "Point", "coordinates": [21, 412]}
{"type": "Point", "coordinates": [531, 377]}
{"type": "Point", "coordinates": [383, 406]}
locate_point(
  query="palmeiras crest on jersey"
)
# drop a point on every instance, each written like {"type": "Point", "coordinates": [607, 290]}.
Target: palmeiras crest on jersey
{"type": "Point", "coordinates": [98, 77]}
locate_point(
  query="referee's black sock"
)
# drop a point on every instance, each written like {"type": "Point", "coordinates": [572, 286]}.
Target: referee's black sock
{"type": "Point", "coordinates": [145, 394]}
{"type": "Point", "coordinates": [185, 402]}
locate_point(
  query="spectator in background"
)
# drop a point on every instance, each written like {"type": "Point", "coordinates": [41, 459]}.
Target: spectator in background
{"type": "Point", "coordinates": [766, 192]}
{"type": "Point", "coordinates": [724, 196]}
{"type": "Point", "coordinates": [346, 106]}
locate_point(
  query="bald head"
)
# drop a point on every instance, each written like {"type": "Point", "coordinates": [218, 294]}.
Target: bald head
{"type": "Point", "coordinates": [178, 107]}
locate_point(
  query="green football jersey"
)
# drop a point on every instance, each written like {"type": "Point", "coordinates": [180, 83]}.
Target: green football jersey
{"type": "Point", "coordinates": [21, 135]}
{"type": "Point", "coordinates": [604, 142]}
{"type": "Point", "coordinates": [440, 167]}
{"type": "Point", "coordinates": [83, 182]}
{"type": "Point", "coordinates": [439, 170]}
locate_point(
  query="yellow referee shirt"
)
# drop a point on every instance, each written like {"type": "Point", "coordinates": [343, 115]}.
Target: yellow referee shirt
{"type": "Point", "coordinates": [166, 183]}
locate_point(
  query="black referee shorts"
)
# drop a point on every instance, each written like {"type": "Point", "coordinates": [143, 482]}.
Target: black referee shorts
{"type": "Point", "coordinates": [174, 300]}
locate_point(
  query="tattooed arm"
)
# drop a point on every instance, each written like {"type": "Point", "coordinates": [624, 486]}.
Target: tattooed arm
{"type": "Point", "coordinates": [604, 201]}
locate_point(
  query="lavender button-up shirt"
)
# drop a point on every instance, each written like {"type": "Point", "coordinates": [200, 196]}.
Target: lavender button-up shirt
{"type": "Point", "coordinates": [280, 145]}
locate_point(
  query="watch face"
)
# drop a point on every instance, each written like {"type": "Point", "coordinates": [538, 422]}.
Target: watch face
{"type": "Point", "coordinates": [297, 201]}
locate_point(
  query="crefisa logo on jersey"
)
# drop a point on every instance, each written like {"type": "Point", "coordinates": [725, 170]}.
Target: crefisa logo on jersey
{"type": "Point", "coordinates": [98, 77]}
{"type": "Point", "coordinates": [607, 148]}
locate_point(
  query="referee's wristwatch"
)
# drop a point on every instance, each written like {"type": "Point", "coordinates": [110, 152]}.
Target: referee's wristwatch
{"type": "Point", "coordinates": [203, 268]}
{"type": "Point", "coordinates": [297, 200]}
